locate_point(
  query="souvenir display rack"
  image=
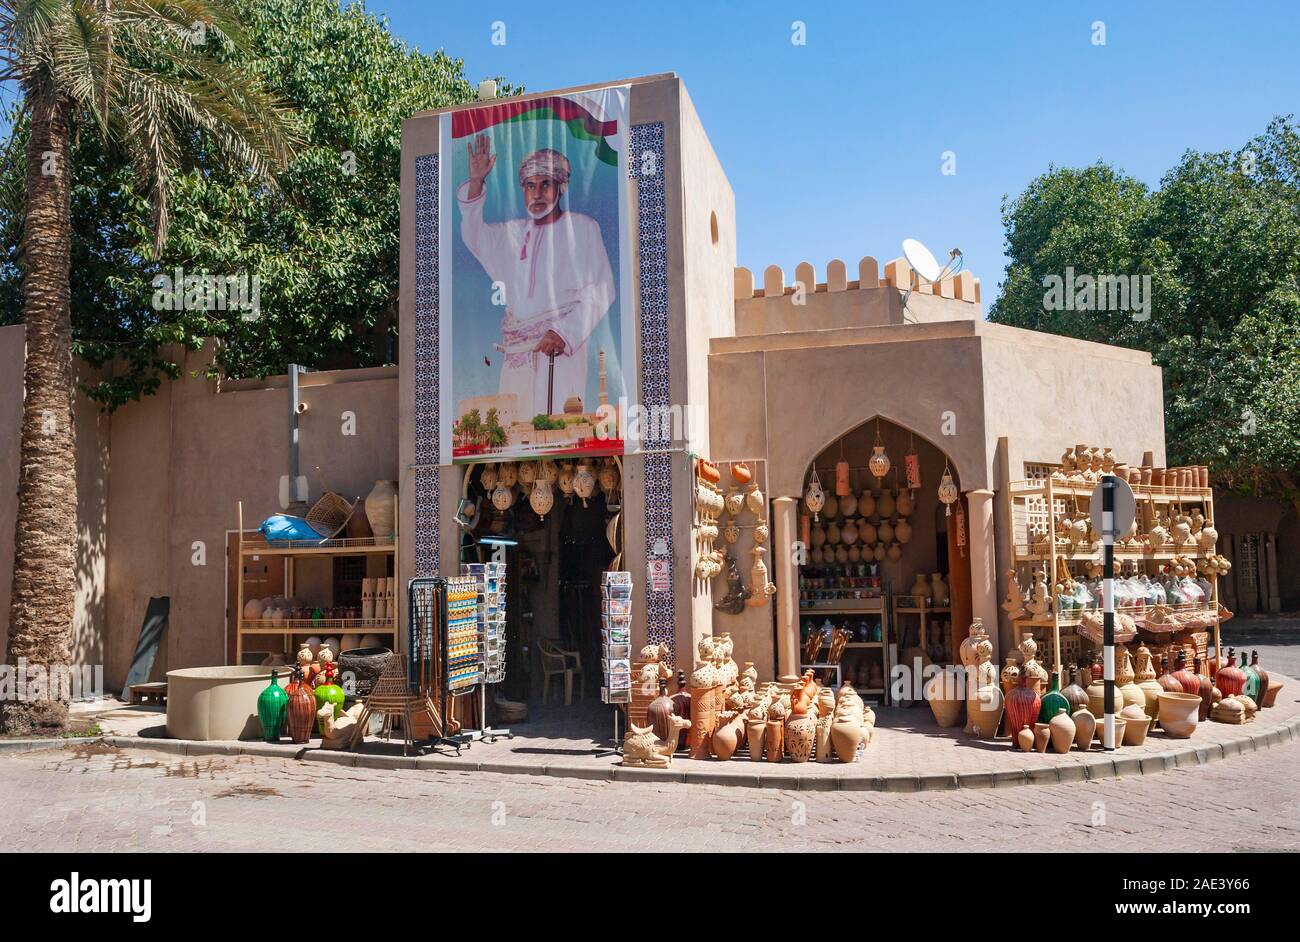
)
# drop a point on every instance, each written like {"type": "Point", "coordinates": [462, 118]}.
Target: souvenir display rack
{"type": "Point", "coordinates": [865, 620]}
{"type": "Point", "coordinates": [490, 584]}
{"type": "Point", "coordinates": [252, 544]}
{"type": "Point", "coordinates": [462, 641]}
{"type": "Point", "coordinates": [907, 607]}
{"type": "Point", "coordinates": [1052, 538]}
{"type": "Point", "coordinates": [616, 637]}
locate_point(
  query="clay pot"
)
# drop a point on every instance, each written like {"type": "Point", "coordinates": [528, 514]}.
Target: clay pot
{"type": "Point", "coordinates": [380, 510]}
{"type": "Point", "coordinates": [1062, 730]}
{"type": "Point", "coordinates": [1136, 724]}
{"type": "Point", "coordinates": [823, 749]}
{"type": "Point", "coordinates": [774, 741]}
{"type": "Point", "coordinates": [984, 710]}
{"type": "Point", "coordinates": [726, 739]}
{"type": "Point", "coordinates": [1178, 713]}
{"type": "Point", "coordinates": [1025, 739]}
{"type": "Point", "coordinates": [1085, 724]}
{"type": "Point", "coordinates": [800, 737]}
{"type": "Point", "coordinates": [944, 693]}
{"type": "Point", "coordinates": [846, 733]}
{"type": "Point", "coordinates": [1270, 696]}
{"type": "Point", "coordinates": [1042, 736]}
{"type": "Point", "coordinates": [1022, 705]}
{"type": "Point", "coordinates": [756, 732]}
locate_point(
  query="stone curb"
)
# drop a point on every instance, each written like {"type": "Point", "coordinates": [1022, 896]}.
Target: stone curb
{"type": "Point", "coordinates": [1095, 767]}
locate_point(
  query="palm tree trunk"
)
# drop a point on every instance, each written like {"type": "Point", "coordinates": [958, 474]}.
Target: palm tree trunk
{"type": "Point", "coordinates": [45, 539]}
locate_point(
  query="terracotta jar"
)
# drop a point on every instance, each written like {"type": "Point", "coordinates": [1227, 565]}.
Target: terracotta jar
{"type": "Point", "coordinates": [1205, 687]}
{"type": "Point", "coordinates": [756, 733]}
{"type": "Point", "coordinates": [300, 712]}
{"type": "Point", "coordinates": [1022, 706]}
{"type": "Point", "coordinates": [944, 693]}
{"type": "Point", "coordinates": [1042, 736]}
{"type": "Point", "coordinates": [1074, 692]}
{"type": "Point", "coordinates": [1187, 679]}
{"type": "Point", "coordinates": [1024, 739]}
{"type": "Point", "coordinates": [1136, 724]}
{"type": "Point", "coordinates": [1063, 730]}
{"type": "Point", "coordinates": [1178, 714]}
{"type": "Point", "coordinates": [1263, 678]}
{"type": "Point", "coordinates": [774, 742]}
{"type": "Point", "coordinates": [800, 736]}
{"type": "Point", "coordinates": [726, 738]}
{"type": "Point", "coordinates": [1085, 724]}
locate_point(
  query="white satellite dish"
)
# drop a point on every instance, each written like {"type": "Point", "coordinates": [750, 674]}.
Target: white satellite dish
{"type": "Point", "coordinates": [926, 267]}
{"type": "Point", "coordinates": [922, 260]}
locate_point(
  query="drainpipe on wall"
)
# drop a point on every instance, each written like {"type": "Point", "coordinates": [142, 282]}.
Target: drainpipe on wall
{"type": "Point", "coordinates": [295, 494]}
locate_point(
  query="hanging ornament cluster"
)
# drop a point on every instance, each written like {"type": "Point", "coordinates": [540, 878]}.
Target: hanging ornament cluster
{"type": "Point", "coordinates": [815, 498]}
{"type": "Point", "coordinates": [742, 494]}
{"type": "Point", "coordinates": [709, 505]}
{"type": "Point", "coordinates": [857, 528]}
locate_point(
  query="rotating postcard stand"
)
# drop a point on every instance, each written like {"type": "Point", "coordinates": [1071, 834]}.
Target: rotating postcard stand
{"type": "Point", "coordinates": [490, 584]}
{"type": "Point", "coordinates": [445, 654]}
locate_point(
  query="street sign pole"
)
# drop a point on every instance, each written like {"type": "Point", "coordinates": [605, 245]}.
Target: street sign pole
{"type": "Point", "coordinates": [1108, 601]}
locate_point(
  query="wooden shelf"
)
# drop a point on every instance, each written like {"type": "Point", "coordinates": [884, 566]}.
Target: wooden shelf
{"type": "Point", "coordinates": [259, 546]}
{"type": "Point", "coordinates": [848, 607]}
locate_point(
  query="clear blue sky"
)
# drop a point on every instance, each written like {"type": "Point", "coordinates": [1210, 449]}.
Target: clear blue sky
{"type": "Point", "coordinates": [834, 148]}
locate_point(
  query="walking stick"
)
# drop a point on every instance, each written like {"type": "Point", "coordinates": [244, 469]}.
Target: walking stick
{"type": "Point", "coordinates": [550, 385]}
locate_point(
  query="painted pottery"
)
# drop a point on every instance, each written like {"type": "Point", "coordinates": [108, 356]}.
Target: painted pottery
{"type": "Point", "coordinates": [1230, 678]}
{"type": "Point", "coordinates": [1022, 706]}
{"type": "Point", "coordinates": [1186, 678]}
{"type": "Point", "coordinates": [1053, 702]}
{"type": "Point", "coordinates": [800, 737]}
{"type": "Point", "coordinates": [271, 704]}
{"type": "Point", "coordinates": [300, 708]}
{"type": "Point", "coordinates": [1178, 714]}
{"type": "Point", "coordinates": [380, 508]}
{"type": "Point", "coordinates": [1085, 724]}
{"type": "Point", "coordinates": [328, 693]}
{"type": "Point", "coordinates": [1062, 730]}
{"type": "Point", "coordinates": [1025, 739]}
{"type": "Point", "coordinates": [1263, 677]}
{"type": "Point", "coordinates": [1042, 736]}
{"type": "Point", "coordinates": [1205, 687]}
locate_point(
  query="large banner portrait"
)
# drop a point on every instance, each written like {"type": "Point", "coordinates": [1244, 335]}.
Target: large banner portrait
{"type": "Point", "coordinates": [537, 326]}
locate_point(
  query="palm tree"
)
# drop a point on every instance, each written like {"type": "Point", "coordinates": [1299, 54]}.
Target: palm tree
{"type": "Point", "coordinates": [155, 80]}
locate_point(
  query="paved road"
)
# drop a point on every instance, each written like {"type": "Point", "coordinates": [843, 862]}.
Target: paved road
{"type": "Point", "coordinates": [97, 798]}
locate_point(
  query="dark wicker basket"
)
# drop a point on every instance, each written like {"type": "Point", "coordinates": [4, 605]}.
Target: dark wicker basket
{"type": "Point", "coordinates": [364, 664]}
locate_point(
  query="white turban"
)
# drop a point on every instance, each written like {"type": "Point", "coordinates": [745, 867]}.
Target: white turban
{"type": "Point", "coordinates": [545, 163]}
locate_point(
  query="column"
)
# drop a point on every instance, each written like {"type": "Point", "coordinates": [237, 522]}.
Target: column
{"type": "Point", "coordinates": [983, 559]}
{"type": "Point", "coordinates": [785, 511]}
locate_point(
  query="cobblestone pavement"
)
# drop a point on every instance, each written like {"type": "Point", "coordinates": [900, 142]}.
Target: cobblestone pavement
{"type": "Point", "coordinates": [98, 798]}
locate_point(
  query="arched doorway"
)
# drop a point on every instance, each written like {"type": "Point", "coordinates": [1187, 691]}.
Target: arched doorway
{"type": "Point", "coordinates": [867, 548]}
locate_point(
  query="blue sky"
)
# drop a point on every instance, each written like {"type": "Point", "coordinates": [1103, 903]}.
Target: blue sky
{"type": "Point", "coordinates": [835, 148]}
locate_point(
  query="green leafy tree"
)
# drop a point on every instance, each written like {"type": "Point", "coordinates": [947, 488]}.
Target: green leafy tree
{"type": "Point", "coordinates": [1221, 240]}
{"type": "Point", "coordinates": [147, 81]}
{"type": "Point", "coordinates": [324, 248]}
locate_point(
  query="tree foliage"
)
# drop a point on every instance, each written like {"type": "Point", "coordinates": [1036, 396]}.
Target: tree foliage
{"type": "Point", "coordinates": [324, 248]}
{"type": "Point", "coordinates": [1220, 239]}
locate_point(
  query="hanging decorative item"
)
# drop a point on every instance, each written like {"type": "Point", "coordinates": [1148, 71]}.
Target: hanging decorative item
{"type": "Point", "coordinates": [548, 472]}
{"type": "Point", "coordinates": [912, 464]}
{"type": "Point", "coordinates": [815, 498]}
{"type": "Point", "coordinates": [755, 501]}
{"type": "Point", "coordinates": [879, 461]}
{"type": "Point", "coordinates": [741, 474]}
{"type": "Point", "coordinates": [542, 499]}
{"type": "Point", "coordinates": [503, 498]}
{"type": "Point", "coordinates": [489, 478]}
{"type": "Point", "coordinates": [527, 472]}
{"type": "Point", "coordinates": [564, 481]}
{"type": "Point", "coordinates": [961, 530]}
{"type": "Point", "coordinates": [947, 489]}
{"type": "Point", "coordinates": [584, 483]}
{"type": "Point", "coordinates": [842, 486]}
{"type": "Point", "coordinates": [509, 475]}
{"type": "Point", "coordinates": [735, 501]}
{"type": "Point", "coordinates": [608, 477]}
{"type": "Point", "coordinates": [762, 588]}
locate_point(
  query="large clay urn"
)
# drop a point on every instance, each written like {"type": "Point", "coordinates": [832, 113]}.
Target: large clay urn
{"type": "Point", "coordinates": [380, 510]}
{"type": "Point", "coordinates": [1052, 703]}
{"type": "Point", "coordinates": [1074, 692]}
{"type": "Point", "coordinates": [1085, 724]}
{"type": "Point", "coordinates": [756, 732]}
{"type": "Point", "coordinates": [300, 712]}
{"type": "Point", "coordinates": [1022, 705]}
{"type": "Point", "coordinates": [1205, 687]}
{"type": "Point", "coordinates": [726, 738]}
{"type": "Point", "coordinates": [1230, 679]}
{"type": "Point", "coordinates": [846, 733]}
{"type": "Point", "coordinates": [1178, 713]}
{"type": "Point", "coordinates": [945, 695]}
{"type": "Point", "coordinates": [984, 710]}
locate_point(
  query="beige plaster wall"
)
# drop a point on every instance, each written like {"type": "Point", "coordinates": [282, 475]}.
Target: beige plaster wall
{"type": "Point", "coordinates": [852, 306]}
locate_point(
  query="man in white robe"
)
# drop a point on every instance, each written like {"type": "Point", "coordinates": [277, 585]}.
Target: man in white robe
{"type": "Point", "coordinates": [557, 280]}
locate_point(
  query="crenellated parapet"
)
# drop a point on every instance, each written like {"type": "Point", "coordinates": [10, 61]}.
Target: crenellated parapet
{"type": "Point", "coordinates": [897, 274]}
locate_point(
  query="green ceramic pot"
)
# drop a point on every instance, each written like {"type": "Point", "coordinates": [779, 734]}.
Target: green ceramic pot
{"type": "Point", "coordinates": [1053, 702]}
{"type": "Point", "coordinates": [328, 693]}
{"type": "Point", "coordinates": [271, 704]}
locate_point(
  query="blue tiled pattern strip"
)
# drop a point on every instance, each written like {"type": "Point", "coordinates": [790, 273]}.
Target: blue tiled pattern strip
{"type": "Point", "coordinates": [427, 458]}
{"type": "Point", "coordinates": [653, 259]}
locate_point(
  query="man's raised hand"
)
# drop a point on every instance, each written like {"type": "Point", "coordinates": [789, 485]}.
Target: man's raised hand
{"type": "Point", "coordinates": [481, 162]}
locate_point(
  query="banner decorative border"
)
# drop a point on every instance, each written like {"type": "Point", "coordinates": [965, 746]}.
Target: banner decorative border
{"type": "Point", "coordinates": [652, 230]}
{"type": "Point", "coordinates": [428, 511]}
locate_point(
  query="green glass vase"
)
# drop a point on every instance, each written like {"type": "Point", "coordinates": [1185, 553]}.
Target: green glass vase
{"type": "Point", "coordinates": [271, 704]}
{"type": "Point", "coordinates": [328, 693]}
{"type": "Point", "coordinates": [1252, 680]}
{"type": "Point", "coordinates": [1053, 701]}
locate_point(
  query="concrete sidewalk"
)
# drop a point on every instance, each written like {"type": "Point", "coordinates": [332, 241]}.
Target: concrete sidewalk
{"type": "Point", "coordinates": [908, 753]}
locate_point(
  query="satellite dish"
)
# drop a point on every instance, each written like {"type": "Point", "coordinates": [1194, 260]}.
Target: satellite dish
{"type": "Point", "coordinates": [922, 260]}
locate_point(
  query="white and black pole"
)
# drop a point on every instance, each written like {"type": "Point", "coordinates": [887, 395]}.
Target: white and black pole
{"type": "Point", "coordinates": [1108, 602]}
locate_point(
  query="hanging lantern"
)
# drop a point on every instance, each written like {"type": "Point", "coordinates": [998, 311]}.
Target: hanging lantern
{"type": "Point", "coordinates": [912, 464]}
{"type": "Point", "coordinates": [947, 490]}
{"type": "Point", "coordinates": [564, 481]}
{"type": "Point", "coordinates": [509, 473]}
{"type": "Point", "coordinates": [527, 472]}
{"type": "Point", "coordinates": [815, 498]}
{"type": "Point", "coordinates": [842, 486]}
{"type": "Point", "coordinates": [548, 472]}
{"type": "Point", "coordinates": [609, 478]}
{"type": "Point", "coordinates": [961, 530]}
{"type": "Point", "coordinates": [584, 483]}
{"type": "Point", "coordinates": [503, 498]}
{"type": "Point", "coordinates": [489, 478]}
{"type": "Point", "coordinates": [542, 499]}
{"type": "Point", "coordinates": [879, 461]}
